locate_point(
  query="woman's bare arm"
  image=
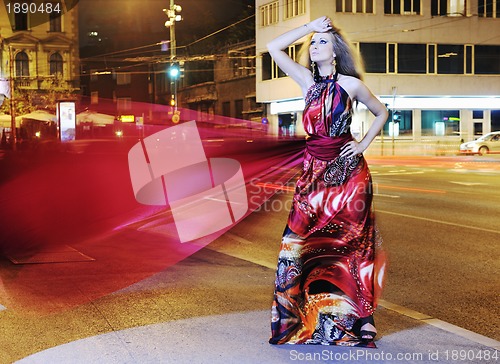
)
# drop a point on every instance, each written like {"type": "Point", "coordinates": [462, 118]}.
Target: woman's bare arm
{"type": "Point", "coordinates": [278, 45]}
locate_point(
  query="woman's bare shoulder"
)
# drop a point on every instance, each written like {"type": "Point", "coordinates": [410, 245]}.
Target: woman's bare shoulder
{"type": "Point", "coordinates": [352, 85]}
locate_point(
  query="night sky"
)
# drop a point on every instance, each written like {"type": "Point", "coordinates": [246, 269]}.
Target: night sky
{"type": "Point", "coordinates": [123, 24]}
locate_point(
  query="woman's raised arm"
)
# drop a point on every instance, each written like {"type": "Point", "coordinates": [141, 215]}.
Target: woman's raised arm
{"type": "Point", "coordinates": [278, 45]}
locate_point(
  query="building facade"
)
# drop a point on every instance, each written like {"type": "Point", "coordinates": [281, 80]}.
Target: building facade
{"type": "Point", "coordinates": [39, 64]}
{"type": "Point", "coordinates": [40, 50]}
{"type": "Point", "coordinates": [436, 64]}
{"type": "Point", "coordinates": [231, 91]}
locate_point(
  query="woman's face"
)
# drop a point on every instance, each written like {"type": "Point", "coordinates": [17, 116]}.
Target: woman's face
{"type": "Point", "coordinates": [321, 48]}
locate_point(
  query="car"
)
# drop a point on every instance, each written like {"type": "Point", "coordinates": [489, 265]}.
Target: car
{"type": "Point", "coordinates": [489, 143]}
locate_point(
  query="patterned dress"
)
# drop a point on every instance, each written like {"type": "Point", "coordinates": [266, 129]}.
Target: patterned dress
{"type": "Point", "coordinates": [330, 265]}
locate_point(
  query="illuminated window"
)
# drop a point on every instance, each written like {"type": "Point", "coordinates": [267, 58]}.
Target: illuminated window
{"type": "Point", "coordinates": [124, 104]}
{"type": "Point", "coordinates": [22, 65]}
{"type": "Point", "coordinates": [447, 7]}
{"type": "Point", "coordinates": [94, 97]}
{"type": "Point", "coordinates": [56, 64]}
{"type": "Point", "coordinates": [123, 78]}
{"type": "Point", "coordinates": [269, 13]}
{"type": "Point", "coordinates": [293, 8]}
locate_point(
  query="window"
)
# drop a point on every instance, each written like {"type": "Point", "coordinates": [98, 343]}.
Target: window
{"type": "Point", "coordinates": [21, 21]}
{"type": "Point", "coordinates": [403, 7]}
{"type": "Point", "coordinates": [124, 104]}
{"type": "Point", "coordinates": [238, 109]}
{"type": "Point", "coordinates": [411, 58]}
{"type": "Point", "coordinates": [354, 6]}
{"type": "Point", "coordinates": [270, 69]}
{"type": "Point", "coordinates": [440, 122]}
{"type": "Point", "coordinates": [468, 59]}
{"type": "Point", "coordinates": [267, 65]}
{"type": "Point", "coordinates": [431, 59]}
{"type": "Point", "coordinates": [22, 65]}
{"type": "Point", "coordinates": [269, 13]}
{"type": "Point", "coordinates": [93, 75]}
{"type": "Point", "coordinates": [293, 8]}
{"type": "Point", "coordinates": [243, 62]}
{"type": "Point", "coordinates": [477, 114]}
{"type": "Point", "coordinates": [374, 57]}
{"type": "Point", "coordinates": [226, 108]}
{"type": "Point", "coordinates": [94, 97]}
{"type": "Point", "coordinates": [400, 122]}
{"type": "Point", "coordinates": [447, 7]}
{"type": "Point", "coordinates": [450, 59]}
{"type": "Point", "coordinates": [55, 21]}
{"type": "Point", "coordinates": [391, 57]}
{"type": "Point", "coordinates": [487, 60]}
{"type": "Point", "coordinates": [488, 8]}
{"type": "Point", "coordinates": [56, 65]}
{"type": "Point", "coordinates": [123, 78]}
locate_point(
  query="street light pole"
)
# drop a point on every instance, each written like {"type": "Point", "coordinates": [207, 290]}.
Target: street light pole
{"type": "Point", "coordinates": [13, 131]}
{"type": "Point", "coordinates": [173, 17]}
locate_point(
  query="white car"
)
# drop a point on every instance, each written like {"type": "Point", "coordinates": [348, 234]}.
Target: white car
{"type": "Point", "coordinates": [489, 143]}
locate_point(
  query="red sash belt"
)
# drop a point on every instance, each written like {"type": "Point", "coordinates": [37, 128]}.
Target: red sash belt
{"type": "Point", "coordinates": [326, 148]}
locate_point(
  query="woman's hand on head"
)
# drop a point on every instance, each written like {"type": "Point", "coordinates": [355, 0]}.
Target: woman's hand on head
{"type": "Point", "coordinates": [320, 25]}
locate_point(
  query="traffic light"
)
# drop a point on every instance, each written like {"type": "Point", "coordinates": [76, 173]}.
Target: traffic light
{"type": "Point", "coordinates": [174, 71]}
{"type": "Point", "coordinates": [396, 116]}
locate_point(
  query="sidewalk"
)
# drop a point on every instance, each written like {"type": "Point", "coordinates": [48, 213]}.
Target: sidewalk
{"type": "Point", "coordinates": [242, 338]}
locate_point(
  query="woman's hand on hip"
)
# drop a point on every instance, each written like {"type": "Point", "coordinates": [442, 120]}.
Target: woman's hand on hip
{"type": "Point", "coordinates": [351, 149]}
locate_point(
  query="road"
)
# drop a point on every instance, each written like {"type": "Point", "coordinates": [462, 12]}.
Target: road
{"type": "Point", "coordinates": [439, 220]}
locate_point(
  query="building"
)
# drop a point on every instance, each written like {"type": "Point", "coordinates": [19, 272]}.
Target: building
{"type": "Point", "coordinates": [229, 86]}
{"type": "Point", "coordinates": [39, 54]}
{"type": "Point", "coordinates": [436, 64]}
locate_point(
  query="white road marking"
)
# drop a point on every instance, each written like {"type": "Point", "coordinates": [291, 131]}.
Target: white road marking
{"type": "Point", "coordinates": [389, 196]}
{"type": "Point", "coordinates": [470, 183]}
{"type": "Point", "coordinates": [440, 222]}
{"type": "Point", "coordinates": [443, 325]}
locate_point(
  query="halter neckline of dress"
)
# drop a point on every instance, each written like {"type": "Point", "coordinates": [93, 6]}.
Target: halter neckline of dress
{"type": "Point", "coordinates": [331, 78]}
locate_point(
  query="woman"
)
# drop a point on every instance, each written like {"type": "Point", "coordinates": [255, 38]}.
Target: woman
{"type": "Point", "coordinates": [330, 266]}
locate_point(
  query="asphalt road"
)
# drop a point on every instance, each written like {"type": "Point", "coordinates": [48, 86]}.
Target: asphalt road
{"type": "Point", "coordinates": [440, 222]}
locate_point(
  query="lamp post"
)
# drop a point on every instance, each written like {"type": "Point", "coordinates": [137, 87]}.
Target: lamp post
{"type": "Point", "coordinates": [173, 17]}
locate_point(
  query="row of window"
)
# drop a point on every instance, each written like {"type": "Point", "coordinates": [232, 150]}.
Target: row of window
{"type": "Point", "coordinates": [412, 59]}
{"type": "Point", "coordinates": [431, 58]}
{"type": "Point", "coordinates": [22, 64]}
{"type": "Point", "coordinates": [439, 122]}
{"type": "Point", "coordinates": [269, 13]}
{"type": "Point", "coordinates": [21, 21]}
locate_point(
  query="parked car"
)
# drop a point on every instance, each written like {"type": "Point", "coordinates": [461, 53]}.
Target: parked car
{"type": "Point", "coordinates": [489, 143]}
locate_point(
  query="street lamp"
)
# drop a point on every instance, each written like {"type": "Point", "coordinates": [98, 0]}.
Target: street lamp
{"type": "Point", "coordinates": [173, 17]}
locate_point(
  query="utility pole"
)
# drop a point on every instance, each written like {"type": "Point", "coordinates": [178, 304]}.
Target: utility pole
{"type": "Point", "coordinates": [13, 131]}
{"type": "Point", "coordinates": [174, 70]}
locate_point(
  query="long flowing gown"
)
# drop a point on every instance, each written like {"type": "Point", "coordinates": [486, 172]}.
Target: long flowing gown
{"type": "Point", "coordinates": [330, 265]}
